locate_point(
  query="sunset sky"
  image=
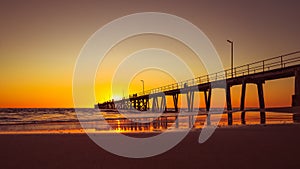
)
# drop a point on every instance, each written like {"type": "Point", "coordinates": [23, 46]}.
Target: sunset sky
{"type": "Point", "coordinates": [41, 40]}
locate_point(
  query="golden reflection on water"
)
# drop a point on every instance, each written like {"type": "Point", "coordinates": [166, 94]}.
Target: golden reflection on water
{"type": "Point", "coordinates": [195, 121]}
{"type": "Point", "coordinates": [120, 124]}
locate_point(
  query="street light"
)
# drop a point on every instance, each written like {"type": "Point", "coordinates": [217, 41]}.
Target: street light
{"type": "Point", "coordinates": [143, 86]}
{"type": "Point", "coordinates": [231, 43]}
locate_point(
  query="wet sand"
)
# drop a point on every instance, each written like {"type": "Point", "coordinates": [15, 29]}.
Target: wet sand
{"type": "Point", "coordinates": [270, 146]}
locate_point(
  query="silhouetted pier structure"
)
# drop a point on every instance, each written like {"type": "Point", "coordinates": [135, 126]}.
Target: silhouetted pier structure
{"type": "Point", "coordinates": [257, 73]}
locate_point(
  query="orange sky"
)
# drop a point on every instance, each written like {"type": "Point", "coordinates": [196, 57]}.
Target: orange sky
{"type": "Point", "coordinates": [40, 41]}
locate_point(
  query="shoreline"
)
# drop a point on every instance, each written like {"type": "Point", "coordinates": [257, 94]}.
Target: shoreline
{"type": "Point", "coordinates": [81, 131]}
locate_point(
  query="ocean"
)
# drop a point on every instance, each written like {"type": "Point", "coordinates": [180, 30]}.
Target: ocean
{"type": "Point", "coordinates": [69, 120]}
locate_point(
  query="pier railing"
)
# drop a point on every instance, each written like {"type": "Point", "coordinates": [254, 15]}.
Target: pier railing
{"type": "Point", "coordinates": [278, 62]}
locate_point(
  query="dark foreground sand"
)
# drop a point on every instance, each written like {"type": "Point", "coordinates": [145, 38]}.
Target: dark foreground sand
{"type": "Point", "coordinates": [247, 147]}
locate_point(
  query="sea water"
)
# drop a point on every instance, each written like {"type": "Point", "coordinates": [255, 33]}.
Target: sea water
{"type": "Point", "coordinates": [69, 120]}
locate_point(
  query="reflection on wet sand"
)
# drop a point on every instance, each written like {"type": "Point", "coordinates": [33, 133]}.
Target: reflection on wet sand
{"type": "Point", "coordinates": [186, 121]}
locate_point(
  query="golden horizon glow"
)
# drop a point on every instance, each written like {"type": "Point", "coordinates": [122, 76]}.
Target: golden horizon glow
{"type": "Point", "coordinates": [152, 77]}
{"type": "Point", "coordinates": [40, 42]}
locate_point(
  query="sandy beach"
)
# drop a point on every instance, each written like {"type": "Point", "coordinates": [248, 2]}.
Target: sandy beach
{"type": "Point", "coordinates": [261, 146]}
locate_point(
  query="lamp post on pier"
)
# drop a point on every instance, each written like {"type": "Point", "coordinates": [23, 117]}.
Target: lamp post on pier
{"type": "Point", "coordinates": [143, 86]}
{"type": "Point", "coordinates": [231, 43]}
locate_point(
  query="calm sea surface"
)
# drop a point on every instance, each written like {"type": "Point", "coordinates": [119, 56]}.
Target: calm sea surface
{"type": "Point", "coordinates": [60, 120]}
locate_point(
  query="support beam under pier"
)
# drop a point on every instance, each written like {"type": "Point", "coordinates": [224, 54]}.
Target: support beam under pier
{"type": "Point", "coordinates": [261, 102]}
{"type": "Point", "coordinates": [229, 105]}
{"type": "Point", "coordinates": [155, 104]}
{"type": "Point", "coordinates": [190, 100]}
{"type": "Point", "coordinates": [242, 105]}
{"type": "Point", "coordinates": [296, 96]}
{"type": "Point", "coordinates": [175, 101]}
{"type": "Point", "coordinates": [207, 99]}
{"type": "Point", "coordinates": [163, 104]}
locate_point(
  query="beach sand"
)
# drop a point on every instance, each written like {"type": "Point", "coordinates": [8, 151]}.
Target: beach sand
{"type": "Point", "coordinates": [261, 146]}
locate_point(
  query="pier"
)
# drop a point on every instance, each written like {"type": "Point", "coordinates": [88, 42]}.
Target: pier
{"type": "Point", "coordinates": [283, 66]}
